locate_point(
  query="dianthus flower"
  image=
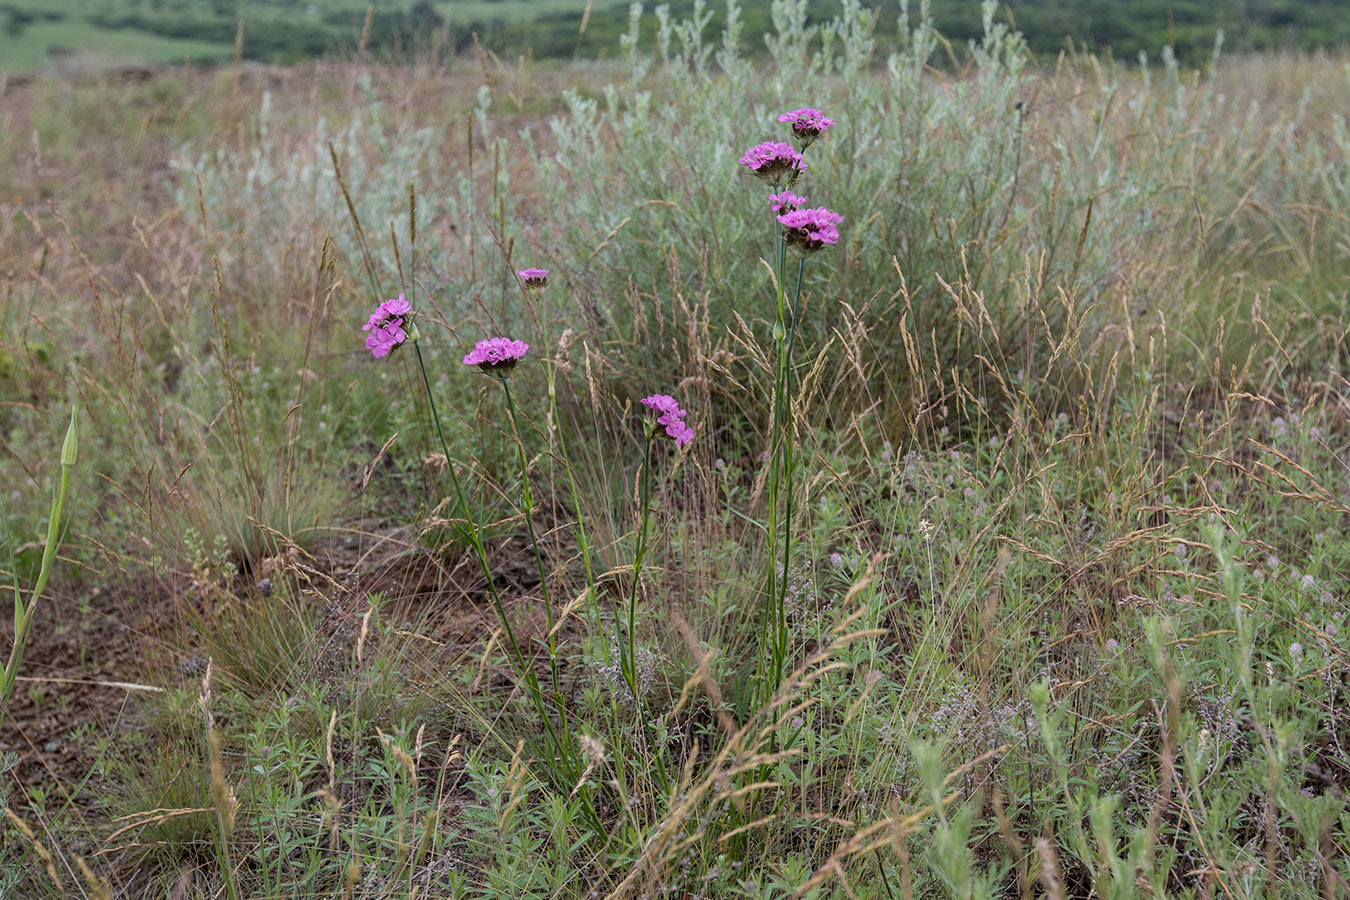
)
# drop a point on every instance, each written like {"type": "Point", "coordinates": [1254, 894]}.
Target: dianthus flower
{"type": "Point", "coordinates": [533, 279]}
{"type": "Point", "coordinates": [773, 161]}
{"type": "Point", "coordinates": [496, 356]}
{"type": "Point", "coordinates": [671, 417]}
{"type": "Point", "coordinates": [807, 124]}
{"type": "Point", "coordinates": [808, 230]}
{"type": "Point", "coordinates": [786, 201]}
{"type": "Point", "coordinates": [386, 326]}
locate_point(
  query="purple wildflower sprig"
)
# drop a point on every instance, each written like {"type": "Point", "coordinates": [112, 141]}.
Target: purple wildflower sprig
{"type": "Point", "coordinates": [389, 326]}
{"type": "Point", "coordinates": [785, 202]}
{"type": "Point", "coordinates": [533, 279]}
{"type": "Point", "coordinates": [669, 424]}
{"type": "Point", "coordinates": [808, 124]}
{"type": "Point", "coordinates": [775, 162]}
{"type": "Point", "coordinates": [808, 230]}
{"type": "Point", "coordinates": [496, 356]}
{"type": "Point", "coordinates": [670, 417]}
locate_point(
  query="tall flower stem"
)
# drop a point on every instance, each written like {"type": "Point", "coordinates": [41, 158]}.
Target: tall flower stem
{"type": "Point", "coordinates": [527, 509]}
{"type": "Point", "coordinates": [629, 660]}
{"type": "Point", "coordinates": [767, 612]}
{"type": "Point", "coordinates": [774, 615]}
{"type": "Point", "coordinates": [789, 470]}
{"type": "Point", "coordinates": [556, 430]}
{"type": "Point", "coordinates": [628, 650]}
{"type": "Point", "coordinates": [475, 538]}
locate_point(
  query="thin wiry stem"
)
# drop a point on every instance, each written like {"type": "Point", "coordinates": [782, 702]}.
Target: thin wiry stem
{"type": "Point", "coordinates": [527, 509]}
{"type": "Point", "coordinates": [789, 472]}
{"type": "Point", "coordinates": [472, 533]}
{"type": "Point", "coordinates": [630, 657]}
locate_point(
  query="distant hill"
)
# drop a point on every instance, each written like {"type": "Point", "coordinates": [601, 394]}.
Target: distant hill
{"type": "Point", "coordinates": [34, 33]}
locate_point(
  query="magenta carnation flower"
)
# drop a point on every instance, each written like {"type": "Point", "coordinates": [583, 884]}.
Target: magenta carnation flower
{"type": "Point", "coordinates": [497, 355]}
{"type": "Point", "coordinates": [786, 201]}
{"type": "Point", "coordinates": [534, 279]}
{"type": "Point", "coordinates": [807, 124]}
{"type": "Point", "coordinates": [808, 230]}
{"type": "Point", "coordinates": [671, 417]}
{"type": "Point", "coordinates": [774, 161]}
{"type": "Point", "coordinates": [387, 326]}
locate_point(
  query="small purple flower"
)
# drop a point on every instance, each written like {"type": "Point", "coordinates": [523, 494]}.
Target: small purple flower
{"type": "Point", "coordinates": [774, 161]}
{"type": "Point", "coordinates": [386, 326]}
{"type": "Point", "coordinates": [786, 201]}
{"type": "Point", "coordinates": [496, 356]}
{"type": "Point", "coordinates": [808, 230]}
{"type": "Point", "coordinates": [533, 279]}
{"type": "Point", "coordinates": [384, 339]}
{"type": "Point", "coordinates": [807, 124]}
{"type": "Point", "coordinates": [671, 416]}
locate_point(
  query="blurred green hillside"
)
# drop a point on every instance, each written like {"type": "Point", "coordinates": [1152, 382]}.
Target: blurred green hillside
{"type": "Point", "coordinates": [40, 33]}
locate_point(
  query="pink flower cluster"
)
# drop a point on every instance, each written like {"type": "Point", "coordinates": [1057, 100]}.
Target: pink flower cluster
{"type": "Point", "coordinates": [810, 229]}
{"type": "Point", "coordinates": [497, 355]}
{"type": "Point", "coordinates": [773, 161]}
{"type": "Point", "coordinates": [786, 201]}
{"type": "Point", "coordinates": [807, 124]}
{"type": "Point", "coordinates": [386, 326]}
{"type": "Point", "coordinates": [534, 279]}
{"type": "Point", "coordinates": [671, 416]}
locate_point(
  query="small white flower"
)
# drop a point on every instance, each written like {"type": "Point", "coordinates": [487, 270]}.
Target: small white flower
{"type": "Point", "coordinates": [926, 529]}
{"type": "Point", "coordinates": [1296, 650]}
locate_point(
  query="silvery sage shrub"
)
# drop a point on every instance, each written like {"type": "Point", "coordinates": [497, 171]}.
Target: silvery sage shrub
{"type": "Point", "coordinates": [935, 171]}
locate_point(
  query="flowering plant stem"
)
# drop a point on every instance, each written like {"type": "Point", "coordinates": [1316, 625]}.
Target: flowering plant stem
{"type": "Point", "coordinates": [628, 651]}
{"type": "Point", "coordinates": [475, 539]}
{"type": "Point", "coordinates": [789, 469]}
{"type": "Point", "coordinates": [782, 468]}
{"type": "Point", "coordinates": [527, 509]}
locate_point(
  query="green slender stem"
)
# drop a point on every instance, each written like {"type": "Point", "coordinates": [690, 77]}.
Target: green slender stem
{"type": "Point", "coordinates": [789, 467]}
{"type": "Point", "coordinates": [629, 661]}
{"type": "Point", "coordinates": [580, 522]}
{"type": "Point", "coordinates": [796, 307]}
{"type": "Point", "coordinates": [582, 537]}
{"type": "Point", "coordinates": [628, 654]}
{"type": "Point", "coordinates": [24, 611]}
{"type": "Point", "coordinates": [471, 532]}
{"type": "Point", "coordinates": [769, 614]}
{"type": "Point", "coordinates": [527, 509]}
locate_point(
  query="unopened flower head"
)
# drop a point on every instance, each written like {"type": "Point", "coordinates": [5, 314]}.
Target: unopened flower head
{"type": "Point", "coordinates": [533, 279]}
{"type": "Point", "coordinates": [387, 326]}
{"type": "Point", "coordinates": [774, 161]}
{"type": "Point", "coordinates": [807, 124]}
{"type": "Point", "coordinates": [496, 356]}
{"type": "Point", "coordinates": [786, 202]}
{"type": "Point", "coordinates": [807, 230]}
{"type": "Point", "coordinates": [671, 417]}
